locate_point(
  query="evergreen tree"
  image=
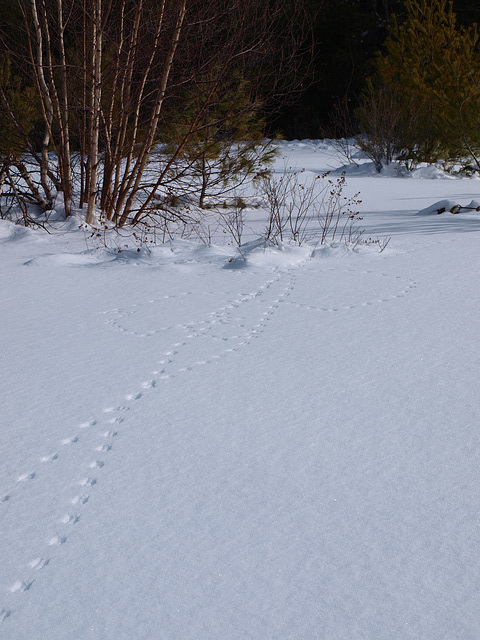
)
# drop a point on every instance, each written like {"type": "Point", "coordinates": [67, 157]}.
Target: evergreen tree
{"type": "Point", "coordinates": [18, 113]}
{"type": "Point", "coordinates": [224, 143]}
{"type": "Point", "coordinates": [432, 66]}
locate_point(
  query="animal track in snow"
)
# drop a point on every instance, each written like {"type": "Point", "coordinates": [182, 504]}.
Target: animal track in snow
{"type": "Point", "coordinates": [50, 458]}
{"type": "Point", "coordinates": [87, 424]}
{"type": "Point", "coordinates": [88, 482]}
{"type": "Point", "coordinates": [220, 315]}
{"type": "Point", "coordinates": [221, 319]}
{"type": "Point", "coordinates": [57, 541]}
{"type": "Point", "coordinates": [70, 519]}
{"type": "Point", "coordinates": [77, 501]}
{"type": "Point", "coordinates": [228, 326]}
{"type": "Point", "coordinates": [21, 585]}
{"type": "Point", "coordinates": [120, 408]}
{"type": "Point", "coordinates": [25, 477]}
{"type": "Point", "coordinates": [133, 396]}
{"type": "Point", "coordinates": [385, 296]}
{"type": "Point", "coordinates": [103, 447]}
{"type": "Point", "coordinates": [39, 563]}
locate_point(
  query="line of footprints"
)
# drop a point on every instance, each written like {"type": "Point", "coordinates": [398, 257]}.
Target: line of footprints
{"type": "Point", "coordinates": [412, 284]}
{"type": "Point", "coordinates": [110, 423]}
{"type": "Point", "coordinates": [104, 444]}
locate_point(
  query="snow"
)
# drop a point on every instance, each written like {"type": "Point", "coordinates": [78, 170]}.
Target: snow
{"type": "Point", "coordinates": [283, 443]}
{"type": "Point", "coordinates": [449, 206]}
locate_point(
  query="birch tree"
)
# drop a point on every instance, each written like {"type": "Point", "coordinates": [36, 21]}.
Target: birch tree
{"type": "Point", "coordinates": [105, 70]}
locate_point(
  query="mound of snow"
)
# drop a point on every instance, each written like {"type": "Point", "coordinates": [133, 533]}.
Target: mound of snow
{"type": "Point", "coordinates": [474, 205]}
{"type": "Point", "coordinates": [84, 258]}
{"type": "Point", "coordinates": [438, 207]}
{"type": "Point", "coordinates": [260, 253]}
{"type": "Point", "coordinates": [449, 206]}
{"type": "Point", "coordinates": [431, 172]}
{"type": "Point", "coordinates": [368, 170]}
{"type": "Point", "coordinates": [11, 232]}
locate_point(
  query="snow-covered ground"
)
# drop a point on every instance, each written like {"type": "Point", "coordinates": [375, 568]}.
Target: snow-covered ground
{"type": "Point", "coordinates": [282, 447]}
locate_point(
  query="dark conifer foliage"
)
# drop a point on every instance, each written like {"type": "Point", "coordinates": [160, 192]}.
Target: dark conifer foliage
{"type": "Point", "coordinates": [337, 59]}
{"type": "Point", "coordinates": [467, 11]}
{"type": "Point", "coordinates": [346, 33]}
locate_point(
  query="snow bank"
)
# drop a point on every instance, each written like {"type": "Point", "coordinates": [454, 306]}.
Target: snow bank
{"type": "Point", "coordinates": [449, 206]}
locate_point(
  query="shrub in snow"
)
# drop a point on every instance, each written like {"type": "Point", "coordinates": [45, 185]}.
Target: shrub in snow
{"type": "Point", "coordinates": [301, 210]}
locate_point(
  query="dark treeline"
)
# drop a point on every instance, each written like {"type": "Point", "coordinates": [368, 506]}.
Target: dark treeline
{"type": "Point", "coordinates": [122, 105]}
{"type": "Point", "coordinates": [347, 34]}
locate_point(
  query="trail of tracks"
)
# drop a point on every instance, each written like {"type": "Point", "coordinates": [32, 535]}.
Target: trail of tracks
{"type": "Point", "coordinates": [218, 334]}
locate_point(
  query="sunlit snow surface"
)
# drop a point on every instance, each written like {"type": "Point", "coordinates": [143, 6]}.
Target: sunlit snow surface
{"type": "Point", "coordinates": [284, 445]}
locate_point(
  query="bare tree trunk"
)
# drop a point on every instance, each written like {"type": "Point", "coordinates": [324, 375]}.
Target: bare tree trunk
{"type": "Point", "coordinates": [3, 175]}
{"type": "Point", "coordinates": [63, 116]}
{"type": "Point", "coordinates": [120, 186]}
{"type": "Point", "coordinates": [95, 68]}
{"type": "Point", "coordinates": [32, 186]}
{"type": "Point", "coordinates": [83, 119]}
{"type": "Point", "coordinates": [139, 168]}
{"type": "Point", "coordinates": [46, 102]}
{"type": "Point", "coordinates": [19, 198]}
{"type": "Point", "coordinates": [203, 190]}
{"type": "Point", "coordinates": [117, 99]}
